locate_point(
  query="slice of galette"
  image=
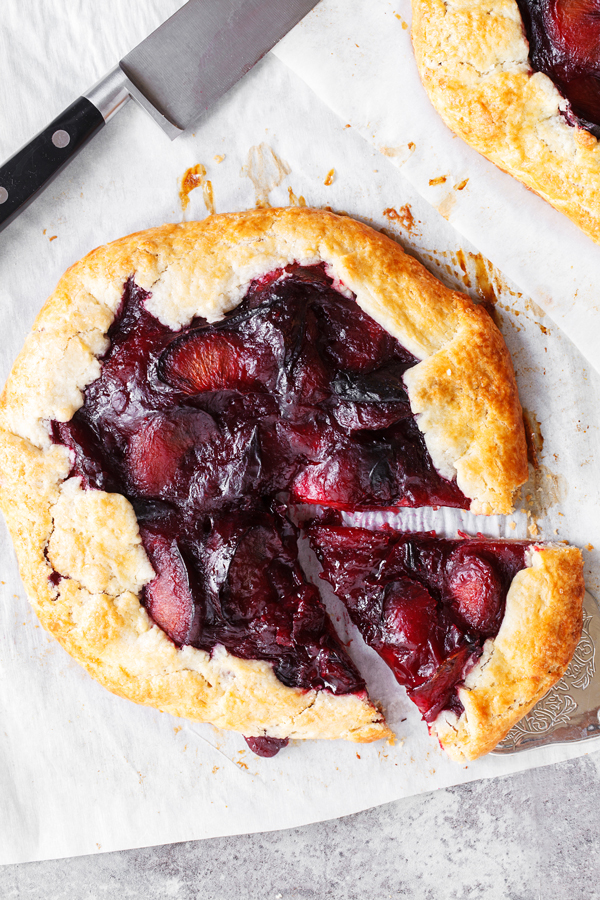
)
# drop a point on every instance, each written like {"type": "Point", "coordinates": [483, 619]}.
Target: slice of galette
{"type": "Point", "coordinates": [519, 80]}
{"type": "Point", "coordinates": [476, 629]}
{"type": "Point", "coordinates": [182, 384]}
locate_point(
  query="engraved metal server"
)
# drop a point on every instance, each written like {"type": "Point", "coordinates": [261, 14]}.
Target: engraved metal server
{"type": "Point", "coordinates": [571, 710]}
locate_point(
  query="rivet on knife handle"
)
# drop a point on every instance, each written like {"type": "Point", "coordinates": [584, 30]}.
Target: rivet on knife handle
{"type": "Point", "coordinates": [34, 166]}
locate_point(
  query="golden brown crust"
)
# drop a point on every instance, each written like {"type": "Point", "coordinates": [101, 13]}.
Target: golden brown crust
{"type": "Point", "coordinates": [470, 412]}
{"type": "Point", "coordinates": [91, 538]}
{"type": "Point", "coordinates": [537, 638]}
{"type": "Point", "coordinates": [473, 60]}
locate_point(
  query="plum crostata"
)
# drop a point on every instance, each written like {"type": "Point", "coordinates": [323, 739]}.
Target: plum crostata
{"type": "Point", "coordinates": [184, 389]}
{"type": "Point", "coordinates": [519, 80]}
{"type": "Point", "coordinates": [477, 630]}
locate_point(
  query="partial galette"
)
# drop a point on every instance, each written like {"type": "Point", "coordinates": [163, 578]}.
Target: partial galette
{"type": "Point", "coordinates": [519, 80]}
{"type": "Point", "coordinates": [476, 629]}
{"type": "Point", "coordinates": [181, 391]}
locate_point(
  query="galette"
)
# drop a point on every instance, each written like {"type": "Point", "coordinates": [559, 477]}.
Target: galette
{"type": "Point", "coordinates": [519, 80]}
{"type": "Point", "coordinates": [184, 392]}
{"type": "Point", "coordinates": [476, 629]}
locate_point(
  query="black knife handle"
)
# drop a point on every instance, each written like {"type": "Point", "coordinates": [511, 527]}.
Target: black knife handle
{"type": "Point", "coordinates": [26, 174]}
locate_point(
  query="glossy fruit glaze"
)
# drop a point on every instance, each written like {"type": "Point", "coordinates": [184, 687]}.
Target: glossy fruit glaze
{"type": "Point", "coordinates": [296, 391]}
{"type": "Point", "coordinates": [564, 43]}
{"type": "Point", "coordinates": [425, 604]}
{"type": "Point", "coordinates": [265, 746]}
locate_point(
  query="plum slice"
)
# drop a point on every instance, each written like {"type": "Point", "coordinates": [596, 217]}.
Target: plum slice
{"type": "Point", "coordinates": [351, 339]}
{"type": "Point", "coordinates": [475, 590]}
{"type": "Point", "coordinates": [349, 479]}
{"type": "Point", "coordinates": [169, 598]}
{"type": "Point", "coordinates": [574, 27]}
{"type": "Point", "coordinates": [163, 452]}
{"type": "Point", "coordinates": [425, 604]}
{"type": "Point", "coordinates": [214, 361]}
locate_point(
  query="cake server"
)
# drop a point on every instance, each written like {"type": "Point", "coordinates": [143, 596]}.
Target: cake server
{"type": "Point", "coordinates": [175, 74]}
{"type": "Point", "coordinates": [570, 711]}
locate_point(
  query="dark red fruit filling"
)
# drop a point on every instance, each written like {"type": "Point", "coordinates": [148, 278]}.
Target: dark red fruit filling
{"type": "Point", "coordinates": [265, 746]}
{"type": "Point", "coordinates": [235, 582]}
{"type": "Point", "coordinates": [170, 598]}
{"type": "Point", "coordinates": [425, 604]}
{"type": "Point", "coordinates": [564, 43]}
{"type": "Point", "coordinates": [297, 390]}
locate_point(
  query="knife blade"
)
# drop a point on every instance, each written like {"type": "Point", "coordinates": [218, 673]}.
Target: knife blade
{"type": "Point", "coordinates": [176, 74]}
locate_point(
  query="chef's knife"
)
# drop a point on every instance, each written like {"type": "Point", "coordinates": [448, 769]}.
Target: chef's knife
{"type": "Point", "coordinates": [175, 74]}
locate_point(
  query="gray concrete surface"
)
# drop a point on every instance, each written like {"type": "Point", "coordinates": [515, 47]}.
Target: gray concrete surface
{"type": "Point", "coordinates": [530, 836]}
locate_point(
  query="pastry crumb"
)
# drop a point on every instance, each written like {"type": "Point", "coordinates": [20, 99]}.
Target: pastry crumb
{"type": "Point", "coordinates": [219, 158]}
{"type": "Point", "coordinates": [589, 547]}
{"type": "Point", "coordinates": [53, 238]}
{"type": "Point", "coordinates": [439, 180]}
{"type": "Point", "coordinates": [462, 185]}
{"type": "Point", "coordinates": [512, 525]}
{"type": "Point", "coordinates": [584, 139]}
{"type": "Point", "coordinates": [330, 178]}
{"type": "Point", "coordinates": [533, 530]}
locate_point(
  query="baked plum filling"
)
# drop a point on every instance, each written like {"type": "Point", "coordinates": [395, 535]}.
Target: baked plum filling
{"type": "Point", "coordinates": [237, 583]}
{"type": "Point", "coordinates": [296, 391]}
{"type": "Point", "coordinates": [425, 604]}
{"type": "Point", "coordinates": [564, 43]}
{"type": "Point", "coordinates": [267, 747]}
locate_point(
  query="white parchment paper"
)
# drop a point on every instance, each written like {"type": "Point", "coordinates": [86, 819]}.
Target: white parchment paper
{"type": "Point", "coordinates": [82, 771]}
{"type": "Point", "coordinates": [357, 56]}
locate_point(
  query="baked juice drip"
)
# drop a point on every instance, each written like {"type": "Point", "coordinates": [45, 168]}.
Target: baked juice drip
{"type": "Point", "coordinates": [297, 392]}
{"type": "Point", "coordinates": [564, 44]}
{"type": "Point", "coordinates": [425, 604]}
